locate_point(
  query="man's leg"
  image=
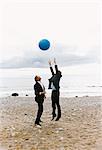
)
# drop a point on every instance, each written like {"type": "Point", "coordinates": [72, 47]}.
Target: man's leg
{"type": "Point", "coordinates": [58, 106]}
{"type": "Point", "coordinates": [39, 113]}
{"type": "Point", "coordinates": [53, 110]}
{"type": "Point", "coordinates": [59, 111]}
{"type": "Point", "coordinates": [53, 97]}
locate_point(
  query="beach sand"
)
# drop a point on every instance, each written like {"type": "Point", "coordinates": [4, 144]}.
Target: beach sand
{"type": "Point", "coordinates": [80, 127]}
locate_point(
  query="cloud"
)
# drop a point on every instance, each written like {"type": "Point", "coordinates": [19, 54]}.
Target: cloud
{"type": "Point", "coordinates": [66, 56]}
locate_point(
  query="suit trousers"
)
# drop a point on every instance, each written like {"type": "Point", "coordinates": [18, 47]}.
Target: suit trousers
{"type": "Point", "coordinates": [55, 103]}
{"type": "Point", "coordinates": [39, 113]}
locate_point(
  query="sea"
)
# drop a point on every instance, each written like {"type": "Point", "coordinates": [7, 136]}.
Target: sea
{"type": "Point", "coordinates": [21, 81]}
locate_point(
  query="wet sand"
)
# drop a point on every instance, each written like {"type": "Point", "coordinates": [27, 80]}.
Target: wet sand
{"type": "Point", "coordinates": [80, 127]}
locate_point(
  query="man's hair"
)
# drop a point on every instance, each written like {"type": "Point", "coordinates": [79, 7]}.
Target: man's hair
{"type": "Point", "coordinates": [36, 78]}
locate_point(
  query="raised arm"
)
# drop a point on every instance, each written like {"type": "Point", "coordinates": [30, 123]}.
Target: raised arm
{"type": "Point", "coordinates": [56, 67]}
{"type": "Point", "coordinates": [51, 67]}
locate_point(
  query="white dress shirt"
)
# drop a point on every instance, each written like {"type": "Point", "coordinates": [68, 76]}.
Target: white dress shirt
{"type": "Point", "coordinates": [53, 87]}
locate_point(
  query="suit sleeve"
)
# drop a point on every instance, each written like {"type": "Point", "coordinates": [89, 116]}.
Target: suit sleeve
{"type": "Point", "coordinates": [56, 68]}
{"type": "Point", "coordinates": [36, 90]}
{"type": "Point", "coordinates": [52, 70]}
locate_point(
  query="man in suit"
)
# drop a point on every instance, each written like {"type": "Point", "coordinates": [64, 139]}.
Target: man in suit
{"type": "Point", "coordinates": [39, 98]}
{"type": "Point", "coordinates": [54, 85]}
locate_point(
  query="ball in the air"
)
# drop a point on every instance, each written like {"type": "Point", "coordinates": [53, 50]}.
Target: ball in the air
{"type": "Point", "coordinates": [44, 44]}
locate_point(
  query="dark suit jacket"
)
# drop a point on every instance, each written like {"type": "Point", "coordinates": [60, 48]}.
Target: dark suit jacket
{"type": "Point", "coordinates": [38, 88]}
{"type": "Point", "coordinates": [55, 78]}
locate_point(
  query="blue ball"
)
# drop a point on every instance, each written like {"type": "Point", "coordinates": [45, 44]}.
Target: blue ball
{"type": "Point", "coordinates": [44, 44]}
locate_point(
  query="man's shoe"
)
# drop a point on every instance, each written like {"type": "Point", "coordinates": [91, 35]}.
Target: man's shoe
{"type": "Point", "coordinates": [38, 124]}
{"type": "Point", "coordinates": [41, 121]}
{"type": "Point", "coordinates": [53, 117]}
{"type": "Point", "coordinates": [57, 118]}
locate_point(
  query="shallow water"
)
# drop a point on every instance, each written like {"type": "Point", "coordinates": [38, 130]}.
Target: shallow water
{"type": "Point", "coordinates": [21, 81]}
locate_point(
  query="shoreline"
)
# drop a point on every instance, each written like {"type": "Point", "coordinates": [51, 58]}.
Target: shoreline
{"type": "Point", "coordinates": [80, 126]}
{"type": "Point", "coordinates": [77, 96]}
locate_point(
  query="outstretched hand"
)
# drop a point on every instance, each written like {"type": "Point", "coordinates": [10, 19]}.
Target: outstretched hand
{"type": "Point", "coordinates": [49, 62]}
{"type": "Point", "coordinates": [55, 61]}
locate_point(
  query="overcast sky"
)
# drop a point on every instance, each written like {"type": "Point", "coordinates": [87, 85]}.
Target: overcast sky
{"type": "Point", "coordinates": [72, 27]}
